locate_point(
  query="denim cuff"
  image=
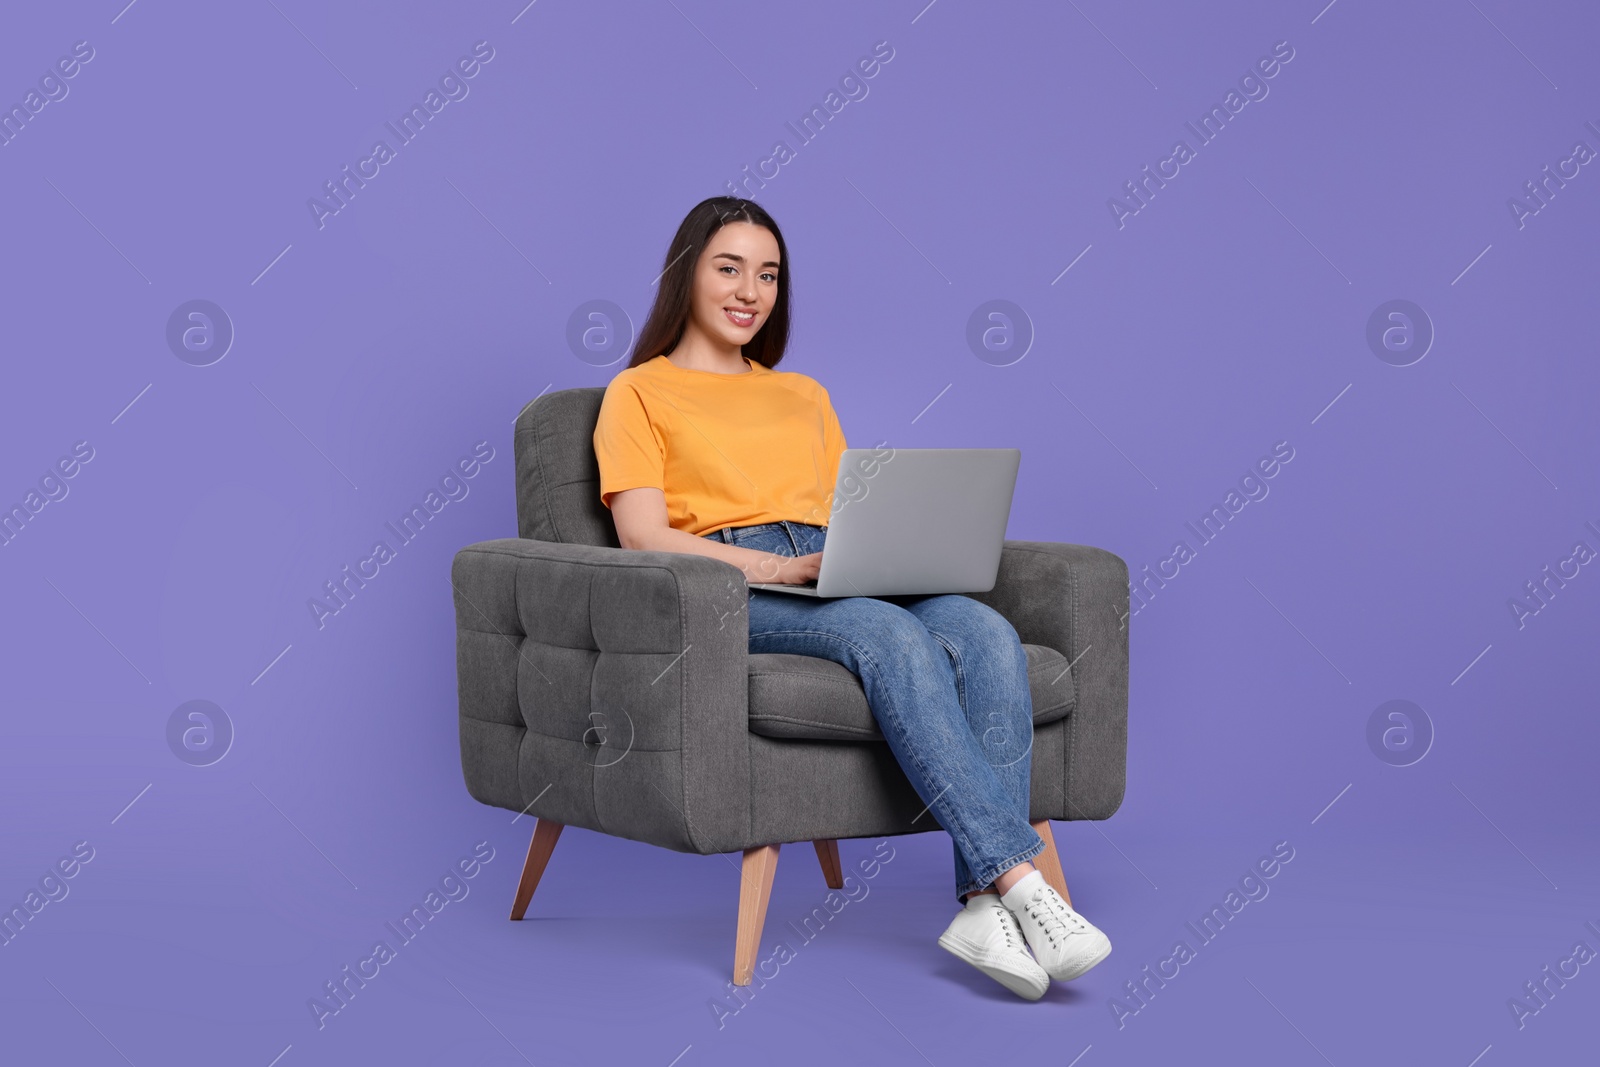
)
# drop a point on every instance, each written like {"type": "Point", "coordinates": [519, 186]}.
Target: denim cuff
{"type": "Point", "coordinates": [999, 868]}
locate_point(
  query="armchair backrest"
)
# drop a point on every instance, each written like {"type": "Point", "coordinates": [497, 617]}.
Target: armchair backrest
{"type": "Point", "coordinates": [558, 478]}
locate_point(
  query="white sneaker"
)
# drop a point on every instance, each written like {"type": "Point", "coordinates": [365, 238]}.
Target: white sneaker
{"type": "Point", "coordinates": [986, 935]}
{"type": "Point", "coordinates": [1064, 942]}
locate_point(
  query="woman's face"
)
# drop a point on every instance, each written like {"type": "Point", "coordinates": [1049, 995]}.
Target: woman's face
{"type": "Point", "coordinates": [736, 282]}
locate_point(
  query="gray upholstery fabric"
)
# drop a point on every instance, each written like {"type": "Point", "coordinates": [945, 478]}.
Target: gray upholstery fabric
{"type": "Point", "coordinates": [558, 477]}
{"type": "Point", "coordinates": [820, 700]}
{"type": "Point", "coordinates": [614, 689]}
{"type": "Point", "coordinates": [626, 672]}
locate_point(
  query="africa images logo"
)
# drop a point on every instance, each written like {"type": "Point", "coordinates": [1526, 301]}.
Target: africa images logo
{"type": "Point", "coordinates": [453, 486]}
{"type": "Point", "coordinates": [1252, 84]}
{"type": "Point", "coordinates": [453, 87]}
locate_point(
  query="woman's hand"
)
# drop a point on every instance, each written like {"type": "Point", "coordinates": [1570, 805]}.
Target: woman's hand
{"type": "Point", "coordinates": [787, 570]}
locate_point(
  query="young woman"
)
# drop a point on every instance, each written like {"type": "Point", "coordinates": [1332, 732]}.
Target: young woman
{"type": "Point", "coordinates": [705, 448]}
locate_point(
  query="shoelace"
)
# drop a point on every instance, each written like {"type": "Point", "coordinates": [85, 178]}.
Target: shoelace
{"type": "Point", "coordinates": [1056, 914]}
{"type": "Point", "coordinates": [1009, 922]}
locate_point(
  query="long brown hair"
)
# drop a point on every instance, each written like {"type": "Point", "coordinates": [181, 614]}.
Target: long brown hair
{"type": "Point", "coordinates": [664, 328]}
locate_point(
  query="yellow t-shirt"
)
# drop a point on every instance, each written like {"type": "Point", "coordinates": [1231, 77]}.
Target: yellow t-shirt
{"type": "Point", "coordinates": [725, 449]}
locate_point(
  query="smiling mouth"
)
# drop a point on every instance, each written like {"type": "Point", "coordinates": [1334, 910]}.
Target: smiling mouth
{"type": "Point", "coordinates": [738, 317]}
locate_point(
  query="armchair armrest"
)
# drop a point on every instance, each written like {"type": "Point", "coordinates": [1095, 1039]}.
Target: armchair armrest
{"type": "Point", "coordinates": [606, 688]}
{"type": "Point", "coordinates": [1074, 599]}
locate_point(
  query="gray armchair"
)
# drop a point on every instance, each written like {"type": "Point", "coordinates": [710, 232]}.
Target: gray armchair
{"type": "Point", "coordinates": [614, 689]}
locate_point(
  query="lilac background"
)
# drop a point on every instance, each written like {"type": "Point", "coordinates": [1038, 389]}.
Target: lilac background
{"type": "Point", "coordinates": [370, 354]}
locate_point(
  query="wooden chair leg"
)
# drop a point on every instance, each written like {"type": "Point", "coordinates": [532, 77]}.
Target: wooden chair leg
{"type": "Point", "coordinates": [755, 889]}
{"type": "Point", "coordinates": [545, 833]}
{"type": "Point", "coordinates": [828, 855]}
{"type": "Point", "coordinates": [1049, 861]}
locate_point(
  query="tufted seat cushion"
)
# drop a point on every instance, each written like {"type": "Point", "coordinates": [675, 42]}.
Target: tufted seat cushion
{"type": "Point", "coordinates": [818, 699]}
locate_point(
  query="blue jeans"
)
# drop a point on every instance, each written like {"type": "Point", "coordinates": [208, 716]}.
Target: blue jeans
{"type": "Point", "coordinates": [947, 681]}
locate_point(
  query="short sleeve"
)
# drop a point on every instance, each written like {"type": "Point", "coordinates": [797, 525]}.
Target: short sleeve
{"type": "Point", "coordinates": [833, 442]}
{"type": "Point", "coordinates": [625, 444]}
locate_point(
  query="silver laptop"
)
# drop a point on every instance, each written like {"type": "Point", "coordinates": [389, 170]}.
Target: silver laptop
{"type": "Point", "coordinates": [922, 520]}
